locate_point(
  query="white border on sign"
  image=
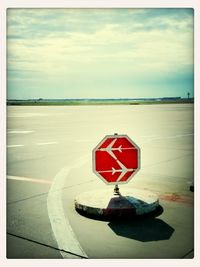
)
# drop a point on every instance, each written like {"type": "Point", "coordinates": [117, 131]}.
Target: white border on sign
{"type": "Point", "coordinates": [96, 4]}
{"type": "Point", "coordinates": [94, 161]}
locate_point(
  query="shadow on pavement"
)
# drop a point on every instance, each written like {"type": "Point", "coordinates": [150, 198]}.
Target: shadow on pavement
{"type": "Point", "coordinates": [145, 230]}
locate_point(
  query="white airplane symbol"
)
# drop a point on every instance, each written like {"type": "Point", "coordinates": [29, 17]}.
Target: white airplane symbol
{"type": "Point", "coordinates": [123, 169]}
{"type": "Point", "coordinates": [123, 172]}
{"type": "Point", "coordinates": [110, 148]}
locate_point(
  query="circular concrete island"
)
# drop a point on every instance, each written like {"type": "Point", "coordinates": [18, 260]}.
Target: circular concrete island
{"type": "Point", "coordinates": [107, 204]}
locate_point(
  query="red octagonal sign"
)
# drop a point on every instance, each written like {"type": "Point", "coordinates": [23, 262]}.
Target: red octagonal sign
{"type": "Point", "coordinates": [116, 159]}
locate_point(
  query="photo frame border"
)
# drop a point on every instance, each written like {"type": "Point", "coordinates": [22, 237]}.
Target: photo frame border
{"type": "Point", "coordinates": [4, 5]}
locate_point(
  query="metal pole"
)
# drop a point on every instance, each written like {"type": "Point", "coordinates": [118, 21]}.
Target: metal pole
{"type": "Point", "coordinates": [116, 190]}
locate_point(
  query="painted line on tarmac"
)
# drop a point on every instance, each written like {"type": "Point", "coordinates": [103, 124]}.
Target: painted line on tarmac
{"type": "Point", "coordinates": [19, 132]}
{"type": "Point", "coordinates": [26, 179]}
{"type": "Point", "coordinates": [60, 224]}
{"type": "Point", "coordinates": [37, 144]}
{"type": "Point", "coordinates": [46, 143]}
{"type": "Point", "coordinates": [26, 115]}
{"type": "Point", "coordinates": [13, 146]}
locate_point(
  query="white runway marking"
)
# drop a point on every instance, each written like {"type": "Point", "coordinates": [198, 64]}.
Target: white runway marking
{"type": "Point", "coordinates": [19, 132]}
{"type": "Point", "coordinates": [61, 227]}
{"type": "Point", "coordinates": [11, 146]}
{"type": "Point", "coordinates": [26, 179]}
{"type": "Point", "coordinates": [37, 144]}
{"type": "Point", "coordinates": [47, 143]}
{"type": "Point", "coordinates": [27, 115]}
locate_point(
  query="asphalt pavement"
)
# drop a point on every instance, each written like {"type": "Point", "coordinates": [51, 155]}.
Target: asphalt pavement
{"type": "Point", "coordinates": [49, 162]}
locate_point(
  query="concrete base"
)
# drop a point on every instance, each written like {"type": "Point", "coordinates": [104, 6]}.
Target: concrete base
{"type": "Point", "coordinates": [105, 204]}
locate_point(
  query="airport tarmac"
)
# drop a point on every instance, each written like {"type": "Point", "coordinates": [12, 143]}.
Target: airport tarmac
{"type": "Point", "coordinates": [49, 162]}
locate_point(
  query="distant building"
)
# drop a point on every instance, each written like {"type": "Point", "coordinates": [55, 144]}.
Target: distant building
{"type": "Point", "coordinates": [171, 98]}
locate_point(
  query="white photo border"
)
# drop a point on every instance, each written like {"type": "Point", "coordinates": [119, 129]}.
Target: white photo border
{"type": "Point", "coordinates": [4, 5]}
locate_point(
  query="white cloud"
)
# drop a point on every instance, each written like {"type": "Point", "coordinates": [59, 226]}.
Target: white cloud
{"type": "Point", "coordinates": [112, 43]}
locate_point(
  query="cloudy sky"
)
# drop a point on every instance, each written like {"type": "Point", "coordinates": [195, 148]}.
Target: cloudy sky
{"type": "Point", "coordinates": [99, 53]}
